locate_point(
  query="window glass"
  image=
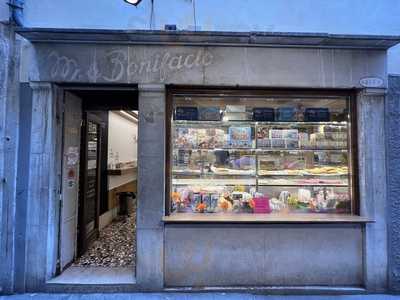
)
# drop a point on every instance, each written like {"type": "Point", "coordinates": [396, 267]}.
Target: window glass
{"type": "Point", "coordinates": [259, 155]}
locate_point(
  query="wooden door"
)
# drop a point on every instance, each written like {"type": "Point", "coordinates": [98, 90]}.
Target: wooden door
{"type": "Point", "coordinates": [70, 179]}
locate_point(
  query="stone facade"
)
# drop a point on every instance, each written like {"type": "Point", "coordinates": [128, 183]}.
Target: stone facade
{"type": "Point", "coordinates": [9, 123]}
{"type": "Point", "coordinates": [392, 114]}
{"type": "Point", "coordinates": [362, 264]}
{"type": "Point", "coordinates": [202, 65]}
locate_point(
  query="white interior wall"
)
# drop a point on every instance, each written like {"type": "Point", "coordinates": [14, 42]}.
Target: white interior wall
{"type": "Point", "coordinates": [122, 138]}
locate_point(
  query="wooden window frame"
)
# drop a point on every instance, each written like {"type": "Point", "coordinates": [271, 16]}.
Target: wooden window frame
{"type": "Point", "coordinates": [349, 94]}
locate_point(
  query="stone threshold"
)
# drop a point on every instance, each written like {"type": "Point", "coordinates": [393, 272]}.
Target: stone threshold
{"type": "Point", "coordinates": [95, 276]}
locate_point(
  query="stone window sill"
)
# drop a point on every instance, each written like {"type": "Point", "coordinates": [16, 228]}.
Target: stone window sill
{"type": "Point", "coordinates": [264, 218]}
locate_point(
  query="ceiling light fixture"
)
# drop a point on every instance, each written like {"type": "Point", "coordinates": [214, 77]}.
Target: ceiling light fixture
{"type": "Point", "coordinates": [133, 2]}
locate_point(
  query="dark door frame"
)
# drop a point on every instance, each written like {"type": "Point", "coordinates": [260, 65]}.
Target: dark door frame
{"type": "Point", "coordinates": [85, 238]}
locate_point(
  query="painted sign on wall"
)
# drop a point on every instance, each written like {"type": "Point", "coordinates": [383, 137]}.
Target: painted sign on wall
{"type": "Point", "coordinates": [121, 64]}
{"type": "Point", "coordinates": [206, 65]}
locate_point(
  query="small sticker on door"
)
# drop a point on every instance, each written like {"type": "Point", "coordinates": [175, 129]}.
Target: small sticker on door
{"type": "Point", "coordinates": [71, 183]}
{"type": "Point", "coordinates": [71, 174]}
{"type": "Point", "coordinates": [71, 177]}
{"type": "Point", "coordinates": [72, 156]}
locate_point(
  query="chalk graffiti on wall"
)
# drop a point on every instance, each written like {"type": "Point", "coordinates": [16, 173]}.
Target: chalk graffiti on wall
{"type": "Point", "coordinates": [63, 67]}
{"type": "Point", "coordinates": [116, 65]}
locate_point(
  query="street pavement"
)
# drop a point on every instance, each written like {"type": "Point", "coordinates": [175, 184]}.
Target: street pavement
{"type": "Point", "coordinates": [191, 296]}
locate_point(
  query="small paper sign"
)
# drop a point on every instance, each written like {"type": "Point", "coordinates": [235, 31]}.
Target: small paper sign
{"type": "Point", "coordinates": [261, 205]}
{"type": "Point", "coordinates": [72, 156]}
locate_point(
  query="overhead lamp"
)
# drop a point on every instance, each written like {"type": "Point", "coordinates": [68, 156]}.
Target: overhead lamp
{"type": "Point", "coordinates": [133, 2]}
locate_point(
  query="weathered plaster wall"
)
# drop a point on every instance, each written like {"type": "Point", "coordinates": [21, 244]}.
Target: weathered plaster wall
{"type": "Point", "coordinates": [25, 100]}
{"type": "Point", "coordinates": [4, 11]}
{"type": "Point", "coordinates": [394, 60]}
{"type": "Point", "coordinates": [392, 114]}
{"type": "Point", "coordinates": [151, 187]}
{"type": "Point", "coordinates": [43, 186]}
{"type": "Point", "coordinates": [372, 185]}
{"type": "Point", "coordinates": [9, 121]}
{"type": "Point", "coordinates": [266, 255]}
{"type": "Point", "coordinates": [244, 66]}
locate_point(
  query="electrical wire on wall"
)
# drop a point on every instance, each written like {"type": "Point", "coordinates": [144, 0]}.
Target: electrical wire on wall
{"type": "Point", "coordinates": [194, 14]}
{"type": "Point", "coordinates": [151, 25]}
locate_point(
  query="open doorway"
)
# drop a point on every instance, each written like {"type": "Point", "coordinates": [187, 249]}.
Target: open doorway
{"type": "Point", "coordinates": [99, 186]}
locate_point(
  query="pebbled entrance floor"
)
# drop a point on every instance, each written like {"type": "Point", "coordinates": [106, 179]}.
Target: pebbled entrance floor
{"type": "Point", "coordinates": [115, 247]}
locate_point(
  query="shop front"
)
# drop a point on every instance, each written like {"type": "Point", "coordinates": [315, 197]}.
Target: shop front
{"type": "Point", "coordinates": [261, 157]}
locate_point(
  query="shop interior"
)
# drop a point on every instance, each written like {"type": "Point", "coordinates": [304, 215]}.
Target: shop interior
{"type": "Point", "coordinates": [98, 217]}
{"type": "Point", "coordinates": [114, 245]}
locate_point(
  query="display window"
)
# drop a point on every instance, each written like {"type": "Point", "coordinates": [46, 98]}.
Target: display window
{"type": "Point", "coordinates": [253, 153]}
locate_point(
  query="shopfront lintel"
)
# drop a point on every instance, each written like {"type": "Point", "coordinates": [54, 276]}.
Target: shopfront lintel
{"type": "Point", "coordinates": [190, 38]}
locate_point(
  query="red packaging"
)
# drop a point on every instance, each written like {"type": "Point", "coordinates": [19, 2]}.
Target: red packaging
{"type": "Point", "coordinates": [261, 205]}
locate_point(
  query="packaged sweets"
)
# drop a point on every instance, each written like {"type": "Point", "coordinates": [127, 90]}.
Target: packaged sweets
{"type": "Point", "coordinates": [268, 163]}
{"type": "Point", "coordinates": [264, 114]}
{"type": "Point", "coordinates": [185, 138]}
{"type": "Point", "coordinates": [212, 202]}
{"type": "Point", "coordinates": [286, 114]}
{"type": "Point", "coordinates": [263, 140]}
{"type": "Point", "coordinates": [291, 134]}
{"type": "Point", "coordinates": [317, 115]}
{"type": "Point", "coordinates": [235, 109]}
{"type": "Point", "coordinates": [237, 116]}
{"type": "Point", "coordinates": [196, 201]}
{"type": "Point", "coordinates": [278, 143]}
{"type": "Point", "coordinates": [240, 137]}
{"type": "Point", "coordinates": [183, 158]}
{"type": "Point", "coordinates": [292, 144]}
{"type": "Point", "coordinates": [186, 113]}
{"type": "Point", "coordinates": [264, 143]}
{"type": "Point", "coordinates": [210, 138]}
{"type": "Point", "coordinates": [262, 132]}
{"type": "Point", "coordinates": [276, 133]}
{"type": "Point", "coordinates": [209, 114]}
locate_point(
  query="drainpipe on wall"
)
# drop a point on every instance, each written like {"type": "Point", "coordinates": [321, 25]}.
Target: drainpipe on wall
{"type": "Point", "coordinates": [16, 12]}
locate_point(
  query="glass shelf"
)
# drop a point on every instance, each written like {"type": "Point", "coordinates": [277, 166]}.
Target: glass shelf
{"type": "Point", "coordinates": [305, 185]}
{"type": "Point", "coordinates": [250, 122]}
{"type": "Point", "coordinates": [301, 181]}
{"type": "Point", "coordinates": [259, 150]}
{"type": "Point", "coordinates": [214, 181]}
